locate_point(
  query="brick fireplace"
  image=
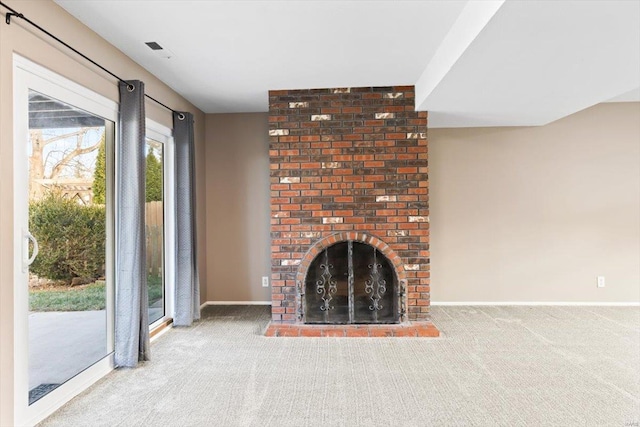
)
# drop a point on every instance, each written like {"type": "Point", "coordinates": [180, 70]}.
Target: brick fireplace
{"type": "Point", "coordinates": [349, 213]}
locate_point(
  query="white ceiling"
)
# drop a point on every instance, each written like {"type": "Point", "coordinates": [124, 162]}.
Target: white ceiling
{"type": "Point", "coordinates": [477, 63]}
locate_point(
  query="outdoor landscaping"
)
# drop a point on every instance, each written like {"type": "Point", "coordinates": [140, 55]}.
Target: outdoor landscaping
{"type": "Point", "coordinates": [68, 273]}
{"type": "Point", "coordinates": [81, 297]}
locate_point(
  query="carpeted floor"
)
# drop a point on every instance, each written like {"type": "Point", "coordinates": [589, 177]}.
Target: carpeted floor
{"type": "Point", "coordinates": [506, 366]}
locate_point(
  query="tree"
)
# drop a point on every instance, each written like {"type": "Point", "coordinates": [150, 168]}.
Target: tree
{"type": "Point", "coordinates": [99, 176]}
{"type": "Point", "coordinates": [60, 162]}
{"type": "Point", "coordinates": [153, 170]}
{"type": "Point", "coordinates": [154, 177]}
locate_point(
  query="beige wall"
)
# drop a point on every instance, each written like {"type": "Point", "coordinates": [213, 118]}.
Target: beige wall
{"type": "Point", "coordinates": [238, 209]}
{"type": "Point", "coordinates": [517, 214]}
{"type": "Point", "coordinates": [18, 38]}
{"type": "Point", "coordinates": [535, 214]}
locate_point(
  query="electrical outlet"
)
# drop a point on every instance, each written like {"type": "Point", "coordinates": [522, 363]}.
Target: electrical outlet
{"type": "Point", "coordinates": [265, 281]}
{"type": "Point", "coordinates": [601, 281]}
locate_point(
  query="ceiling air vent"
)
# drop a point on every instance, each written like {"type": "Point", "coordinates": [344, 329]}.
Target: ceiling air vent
{"type": "Point", "coordinates": [159, 51]}
{"type": "Point", "coordinates": [153, 45]}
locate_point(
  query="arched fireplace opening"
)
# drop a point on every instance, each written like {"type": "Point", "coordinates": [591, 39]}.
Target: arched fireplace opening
{"type": "Point", "coordinates": [351, 282]}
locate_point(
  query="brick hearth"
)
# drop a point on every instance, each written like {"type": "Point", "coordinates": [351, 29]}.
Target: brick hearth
{"type": "Point", "coordinates": [412, 329]}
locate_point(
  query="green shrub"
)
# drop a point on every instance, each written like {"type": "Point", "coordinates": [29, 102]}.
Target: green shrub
{"type": "Point", "coordinates": [154, 284]}
{"type": "Point", "coordinates": [71, 238]}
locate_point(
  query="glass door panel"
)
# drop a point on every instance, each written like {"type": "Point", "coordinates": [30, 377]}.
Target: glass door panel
{"type": "Point", "coordinates": [154, 215]}
{"type": "Point", "coordinates": [68, 195]}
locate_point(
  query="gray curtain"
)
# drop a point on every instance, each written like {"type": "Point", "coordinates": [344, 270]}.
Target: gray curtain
{"type": "Point", "coordinates": [187, 291]}
{"type": "Point", "coordinates": [131, 317]}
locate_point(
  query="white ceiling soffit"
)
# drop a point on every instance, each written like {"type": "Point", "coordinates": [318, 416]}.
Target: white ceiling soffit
{"type": "Point", "coordinates": [227, 55]}
{"type": "Point", "coordinates": [534, 62]}
{"type": "Point", "coordinates": [631, 96]}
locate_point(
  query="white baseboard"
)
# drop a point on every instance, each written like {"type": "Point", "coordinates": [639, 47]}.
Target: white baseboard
{"type": "Point", "coordinates": [458, 303]}
{"type": "Point", "coordinates": [206, 303]}
{"type": "Point", "coordinates": [537, 303]}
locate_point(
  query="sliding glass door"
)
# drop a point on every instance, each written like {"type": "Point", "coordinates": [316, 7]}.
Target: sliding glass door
{"type": "Point", "coordinates": [63, 225]}
{"type": "Point", "coordinates": [67, 220]}
{"type": "Point", "coordinates": [64, 204]}
{"type": "Point", "coordinates": [154, 228]}
{"type": "Point", "coordinates": [159, 219]}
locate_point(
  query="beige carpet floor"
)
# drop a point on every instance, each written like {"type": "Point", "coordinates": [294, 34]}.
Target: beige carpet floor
{"type": "Point", "coordinates": [493, 366]}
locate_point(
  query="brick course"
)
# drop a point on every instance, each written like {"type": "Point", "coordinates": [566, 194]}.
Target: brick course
{"type": "Point", "coordinates": [348, 160]}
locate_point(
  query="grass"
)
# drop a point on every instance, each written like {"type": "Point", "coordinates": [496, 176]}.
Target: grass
{"type": "Point", "coordinates": [66, 298]}
{"type": "Point", "coordinates": [81, 298]}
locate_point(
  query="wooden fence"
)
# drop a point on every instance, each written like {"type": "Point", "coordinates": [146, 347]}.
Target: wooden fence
{"type": "Point", "coordinates": [154, 215]}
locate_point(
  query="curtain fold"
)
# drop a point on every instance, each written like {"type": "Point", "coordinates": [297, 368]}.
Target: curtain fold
{"type": "Point", "coordinates": [131, 311]}
{"type": "Point", "coordinates": [187, 287]}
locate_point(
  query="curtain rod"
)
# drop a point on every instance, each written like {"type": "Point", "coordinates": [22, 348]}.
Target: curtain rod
{"type": "Point", "coordinates": [17, 14]}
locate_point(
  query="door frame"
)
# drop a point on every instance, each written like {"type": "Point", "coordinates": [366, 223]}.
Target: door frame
{"type": "Point", "coordinates": [29, 75]}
